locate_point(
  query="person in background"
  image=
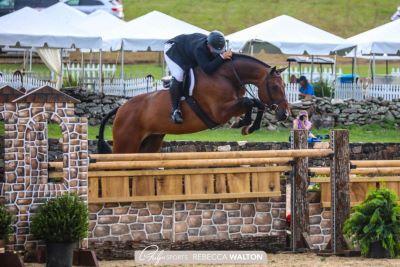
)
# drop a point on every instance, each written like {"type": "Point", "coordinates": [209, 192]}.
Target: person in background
{"type": "Point", "coordinates": [303, 123]}
{"type": "Point", "coordinates": [306, 90]}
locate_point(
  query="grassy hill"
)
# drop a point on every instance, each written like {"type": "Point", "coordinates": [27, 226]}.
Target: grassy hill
{"type": "Point", "coordinates": [342, 17]}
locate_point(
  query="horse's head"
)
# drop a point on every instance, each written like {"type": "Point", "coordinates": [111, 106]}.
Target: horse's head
{"type": "Point", "coordinates": [275, 96]}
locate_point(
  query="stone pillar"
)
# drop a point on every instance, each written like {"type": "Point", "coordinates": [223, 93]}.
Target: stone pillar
{"type": "Point", "coordinates": [26, 156]}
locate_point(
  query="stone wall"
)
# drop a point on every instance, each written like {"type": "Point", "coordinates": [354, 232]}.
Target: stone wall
{"type": "Point", "coordinates": [326, 112]}
{"type": "Point", "coordinates": [26, 184]}
{"type": "Point", "coordinates": [184, 222]}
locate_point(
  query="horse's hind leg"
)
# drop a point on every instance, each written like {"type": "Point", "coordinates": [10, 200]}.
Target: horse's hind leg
{"type": "Point", "coordinates": [152, 143]}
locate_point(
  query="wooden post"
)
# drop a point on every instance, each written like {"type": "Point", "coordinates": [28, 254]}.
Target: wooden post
{"type": "Point", "coordinates": [340, 194]}
{"type": "Point", "coordinates": [300, 181]}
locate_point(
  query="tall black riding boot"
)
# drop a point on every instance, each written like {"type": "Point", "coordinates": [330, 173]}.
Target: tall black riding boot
{"type": "Point", "coordinates": [175, 92]}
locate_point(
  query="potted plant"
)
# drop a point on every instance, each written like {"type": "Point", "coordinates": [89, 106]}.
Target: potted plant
{"type": "Point", "coordinates": [375, 225]}
{"type": "Point", "coordinates": [5, 226]}
{"type": "Point", "coordinates": [61, 223]}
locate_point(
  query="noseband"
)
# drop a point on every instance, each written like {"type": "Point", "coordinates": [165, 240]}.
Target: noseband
{"type": "Point", "coordinates": [274, 104]}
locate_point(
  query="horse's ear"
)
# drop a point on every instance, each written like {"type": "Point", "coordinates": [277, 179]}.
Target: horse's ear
{"type": "Point", "coordinates": [281, 70]}
{"type": "Point", "coordinates": [273, 70]}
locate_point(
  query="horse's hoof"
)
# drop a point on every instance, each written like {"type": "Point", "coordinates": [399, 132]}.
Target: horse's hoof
{"type": "Point", "coordinates": [246, 130]}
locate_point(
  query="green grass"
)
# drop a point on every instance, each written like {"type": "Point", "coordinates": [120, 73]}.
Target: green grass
{"type": "Point", "coordinates": [141, 70]}
{"type": "Point", "coordinates": [342, 17]}
{"type": "Point", "coordinates": [137, 70]}
{"type": "Point", "coordinates": [386, 133]}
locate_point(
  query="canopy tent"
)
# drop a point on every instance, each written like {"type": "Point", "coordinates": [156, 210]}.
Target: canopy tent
{"type": "Point", "coordinates": [47, 33]}
{"type": "Point", "coordinates": [151, 31]}
{"type": "Point", "coordinates": [384, 39]}
{"type": "Point", "coordinates": [104, 24]}
{"type": "Point", "coordinates": [64, 14]}
{"type": "Point", "coordinates": [29, 28]}
{"type": "Point", "coordinates": [286, 35]}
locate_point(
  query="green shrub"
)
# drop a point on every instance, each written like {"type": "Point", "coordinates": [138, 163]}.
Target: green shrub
{"type": "Point", "coordinates": [376, 219]}
{"type": "Point", "coordinates": [322, 89]}
{"type": "Point", "coordinates": [62, 219]}
{"type": "Point", "coordinates": [5, 223]}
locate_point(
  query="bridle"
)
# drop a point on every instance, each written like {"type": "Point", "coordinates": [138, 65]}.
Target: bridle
{"type": "Point", "coordinates": [274, 104]}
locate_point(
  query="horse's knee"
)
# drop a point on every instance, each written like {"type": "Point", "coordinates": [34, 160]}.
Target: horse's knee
{"type": "Point", "coordinates": [246, 103]}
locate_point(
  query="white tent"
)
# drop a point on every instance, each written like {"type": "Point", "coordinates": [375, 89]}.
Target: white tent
{"type": "Point", "coordinates": [152, 31]}
{"type": "Point", "coordinates": [64, 13]}
{"type": "Point", "coordinates": [104, 24]}
{"type": "Point", "coordinates": [47, 33]}
{"type": "Point", "coordinates": [29, 28]}
{"type": "Point", "coordinates": [286, 35]}
{"type": "Point", "coordinates": [384, 39]}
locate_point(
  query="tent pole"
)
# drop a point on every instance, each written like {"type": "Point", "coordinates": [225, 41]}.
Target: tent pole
{"type": "Point", "coordinates": [62, 68]}
{"type": "Point", "coordinates": [251, 48]}
{"type": "Point", "coordinates": [374, 68]}
{"type": "Point", "coordinates": [162, 65]}
{"type": "Point", "coordinates": [387, 67]}
{"type": "Point", "coordinates": [122, 68]}
{"type": "Point", "coordinates": [334, 74]}
{"type": "Point", "coordinates": [101, 72]}
{"type": "Point", "coordinates": [312, 68]}
{"type": "Point", "coordinates": [30, 60]}
{"type": "Point", "coordinates": [82, 69]}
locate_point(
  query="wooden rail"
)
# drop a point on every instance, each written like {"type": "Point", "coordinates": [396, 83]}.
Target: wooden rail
{"type": "Point", "coordinates": [185, 176]}
{"type": "Point", "coordinates": [311, 153]}
{"type": "Point", "coordinates": [367, 174]}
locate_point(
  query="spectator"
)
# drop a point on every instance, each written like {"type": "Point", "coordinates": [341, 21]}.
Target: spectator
{"type": "Point", "coordinates": [306, 89]}
{"type": "Point", "coordinates": [302, 123]}
{"type": "Point", "coordinates": [293, 79]}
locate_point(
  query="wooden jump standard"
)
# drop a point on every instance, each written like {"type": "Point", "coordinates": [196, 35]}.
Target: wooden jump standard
{"type": "Point", "coordinates": [339, 173]}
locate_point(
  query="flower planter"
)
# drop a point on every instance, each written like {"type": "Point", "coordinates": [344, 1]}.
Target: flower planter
{"type": "Point", "coordinates": [60, 254]}
{"type": "Point", "coordinates": [376, 250]}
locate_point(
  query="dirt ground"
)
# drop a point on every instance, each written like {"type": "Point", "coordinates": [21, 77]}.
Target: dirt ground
{"type": "Point", "coordinates": [285, 260]}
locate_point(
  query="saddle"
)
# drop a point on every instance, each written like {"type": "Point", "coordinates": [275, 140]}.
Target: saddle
{"type": "Point", "coordinates": [187, 95]}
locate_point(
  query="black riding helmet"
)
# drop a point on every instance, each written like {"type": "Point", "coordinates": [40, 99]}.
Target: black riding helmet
{"type": "Point", "coordinates": [216, 40]}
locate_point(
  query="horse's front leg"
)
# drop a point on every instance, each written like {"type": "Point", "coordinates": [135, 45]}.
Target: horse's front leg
{"type": "Point", "coordinates": [260, 112]}
{"type": "Point", "coordinates": [243, 121]}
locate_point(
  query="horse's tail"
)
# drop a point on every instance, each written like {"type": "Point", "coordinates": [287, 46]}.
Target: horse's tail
{"type": "Point", "coordinates": [102, 145]}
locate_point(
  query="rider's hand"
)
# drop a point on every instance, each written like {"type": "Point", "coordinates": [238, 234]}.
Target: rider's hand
{"type": "Point", "coordinates": [227, 54]}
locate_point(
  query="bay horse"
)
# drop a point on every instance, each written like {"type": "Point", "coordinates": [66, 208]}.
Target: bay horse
{"type": "Point", "coordinates": [142, 122]}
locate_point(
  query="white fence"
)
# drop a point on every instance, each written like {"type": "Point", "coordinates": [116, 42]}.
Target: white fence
{"type": "Point", "coordinates": [395, 72]}
{"type": "Point", "coordinates": [28, 82]}
{"type": "Point", "coordinates": [359, 92]}
{"type": "Point", "coordinates": [89, 72]}
{"type": "Point", "coordinates": [128, 88]}
{"type": "Point", "coordinates": [325, 74]}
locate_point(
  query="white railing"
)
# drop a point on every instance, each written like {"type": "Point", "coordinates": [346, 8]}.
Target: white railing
{"type": "Point", "coordinates": [128, 88]}
{"type": "Point", "coordinates": [89, 73]}
{"type": "Point", "coordinates": [292, 92]}
{"type": "Point", "coordinates": [395, 72]}
{"type": "Point", "coordinates": [325, 75]}
{"type": "Point", "coordinates": [28, 82]}
{"type": "Point", "coordinates": [359, 92]}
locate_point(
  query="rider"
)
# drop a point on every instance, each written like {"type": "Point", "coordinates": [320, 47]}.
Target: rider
{"type": "Point", "coordinates": [188, 51]}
